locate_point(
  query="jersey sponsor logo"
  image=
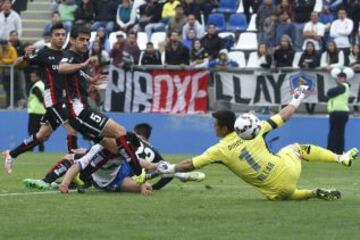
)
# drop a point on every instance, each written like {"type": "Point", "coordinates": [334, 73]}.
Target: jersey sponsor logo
{"type": "Point", "coordinates": [55, 67]}
{"type": "Point", "coordinates": [51, 58]}
{"type": "Point", "coordinates": [235, 144]}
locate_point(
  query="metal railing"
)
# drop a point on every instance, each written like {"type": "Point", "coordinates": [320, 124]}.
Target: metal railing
{"type": "Point", "coordinates": [8, 70]}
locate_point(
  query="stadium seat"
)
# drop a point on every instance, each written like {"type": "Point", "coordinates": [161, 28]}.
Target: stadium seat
{"type": "Point", "coordinates": [252, 24]}
{"type": "Point", "coordinates": [92, 36]}
{"type": "Point", "coordinates": [247, 42]}
{"type": "Point", "coordinates": [112, 37]}
{"type": "Point", "coordinates": [226, 34]}
{"type": "Point", "coordinates": [227, 6]}
{"type": "Point", "coordinates": [158, 37]}
{"type": "Point", "coordinates": [296, 59]}
{"type": "Point", "coordinates": [318, 6]}
{"type": "Point", "coordinates": [238, 57]}
{"type": "Point", "coordinates": [218, 20]}
{"type": "Point", "coordinates": [142, 40]}
{"type": "Point", "coordinates": [252, 62]}
{"type": "Point", "coordinates": [237, 22]}
{"type": "Point", "coordinates": [240, 8]}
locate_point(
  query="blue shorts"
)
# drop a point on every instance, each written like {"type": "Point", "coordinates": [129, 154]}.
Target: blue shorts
{"type": "Point", "coordinates": [125, 170]}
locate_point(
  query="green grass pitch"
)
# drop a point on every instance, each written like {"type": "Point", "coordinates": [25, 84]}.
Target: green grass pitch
{"type": "Point", "coordinates": [221, 207]}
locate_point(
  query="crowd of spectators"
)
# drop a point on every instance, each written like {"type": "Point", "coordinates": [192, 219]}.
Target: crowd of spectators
{"type": "Point", "coordinates": [286, 29]}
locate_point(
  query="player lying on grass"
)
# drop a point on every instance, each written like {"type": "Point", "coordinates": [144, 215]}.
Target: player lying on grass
{"type": "Point", "coordinates": [145, 152]}
{"type": "Point", "coordinates": [274, 175]}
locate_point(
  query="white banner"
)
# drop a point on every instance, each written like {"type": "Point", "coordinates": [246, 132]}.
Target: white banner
{"type": "Point", "coordinates": [275, 89]}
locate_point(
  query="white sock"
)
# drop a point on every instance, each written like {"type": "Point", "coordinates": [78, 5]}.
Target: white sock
{"type": "Point", "coordinates": [86, 159]}
{"type": "Point", "coordinates": [181, 175]}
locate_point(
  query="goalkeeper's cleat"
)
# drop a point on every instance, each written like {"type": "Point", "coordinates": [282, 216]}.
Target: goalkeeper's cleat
{"type": "Point", "coordinates": [327, 194]}
{"type": "Point", "coordinates": [9, 161]}
{"type": "Point", "coordinates": [191, 176]}
{"type": "Point", "coordinates": [78, 182]}
{"type": "Point", "coordinates": [37, 184]}
{"type": "Point", "coordinates": [347, 158]}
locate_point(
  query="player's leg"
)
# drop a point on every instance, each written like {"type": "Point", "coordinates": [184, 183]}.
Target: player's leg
{"type": "Point", "coordinates": [311, 152]}
{"type": "Point", "coordinates": [320, 193]}
{"type": "Point", "coordinates": [71, 137]}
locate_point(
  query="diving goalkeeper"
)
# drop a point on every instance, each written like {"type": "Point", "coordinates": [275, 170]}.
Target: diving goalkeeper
{"type": "Point", "coordinates": [274, 175]}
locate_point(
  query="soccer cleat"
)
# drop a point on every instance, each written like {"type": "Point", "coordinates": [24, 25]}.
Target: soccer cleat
{"type": "Point", "coordinates": [9, 161]}
{"type": "Point", "coordinates": [193, 177]}
{"type": "Point", "coordinates": [347, 158]}
{"type": "Point", "coordinates": [327, 194]}
{"type": "Point", "coordinates": [38, 184]}
{"type": "Point", "coordinates": [78, 182]}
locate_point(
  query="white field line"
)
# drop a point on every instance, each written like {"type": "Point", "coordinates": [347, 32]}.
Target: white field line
{"type": "Point", "coordinates": [30, 193]}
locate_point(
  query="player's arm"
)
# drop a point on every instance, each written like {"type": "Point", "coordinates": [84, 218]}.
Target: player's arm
{"type": "Point", "coordinates": [298, 96]}
{"type": "Point", "coordinates": [66, 67]}
{"type": "Point", "coordinates": [23, 60]}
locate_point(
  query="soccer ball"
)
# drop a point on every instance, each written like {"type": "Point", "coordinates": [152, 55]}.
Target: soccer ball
{"type": "Point", "coordinates": [247, 126]}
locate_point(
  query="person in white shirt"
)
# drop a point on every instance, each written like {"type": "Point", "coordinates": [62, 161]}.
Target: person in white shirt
{"type": "Point", "coordinates": [193, 24]}
{"type": "Point", "coordinates": [341, 30]}
{"type": "Point", "coordinates": [9, 21]}
{"type": "Point", "coordinates": [314, 31]}
{"type": "Point", "coordinates": [332, 57]}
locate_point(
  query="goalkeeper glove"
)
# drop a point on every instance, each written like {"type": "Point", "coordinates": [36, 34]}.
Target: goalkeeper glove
{"type": "Point", "coordinates": [165, 167]}
{"type": "Point", "coordinates": [299, 95]}
{"type": "Point", "coordinates": [141, 178]}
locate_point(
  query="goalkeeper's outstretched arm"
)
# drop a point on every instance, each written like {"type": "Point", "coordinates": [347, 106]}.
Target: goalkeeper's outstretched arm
{"type": "Point", "coordinates": [299, 94]}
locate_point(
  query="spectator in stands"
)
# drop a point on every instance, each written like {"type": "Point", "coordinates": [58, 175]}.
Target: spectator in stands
{"type": "Point", "coordinates": [284, 27]}
{"type": "Point", "coordinates": [67, 10]}
{"type": "Point", "coordinates": [188, 42]}
{"type": "Point", "coordinates": [8, 56]}
{"type": "Point", "coordinates": [55, 19]}
{"type": "Point", "coordinates": [177, 23]}
{"type": "Point", "coordinates": [223, 61]}
{"type": "Point", "coordinates": [116, 52]}
{"type": "Point", "coordinates": [168, 10]}
{"type": "Point", "coordinates": [126, 15]}
{"type": "Point", "coordinates": [266, 8]}
{"type": "Point", "coordinates": [341, 30]}
{"type": "Point", "coordinates": [314, 32]}
{"type": "Point", "coordinates": [105, 15]}
{"type": "Point", "coordinates": [264, 58]}
{"type": "Point", "coordinates": [212, 42]}
{"type": "Point", "coordinates": [151, 56]}
{"type": "Point", "coordinates": [103, 58]}
{"type": "Point", "coordinates": [175, 52]}
{"type": "Point", "coordinates": [287, 7]}
{"type": "Point", "coordinates": [19, 78]}
{"type": "Point", "coordinates": [354, 15]}
{"type": "Point", "coordinates": [192, 24]}
{"type": "Point", "coordinates": [326, 18]}
{"type": "Point", "coordinates": [269, 30]}
{"type": "Point", "coordinates": [20, 5]}
{"type": "Point", "coordinates": [332, 57]}
{"type": "Point", "coordinates": [354, 57]}
{"type": "Point", "coordinates": [84, 14]}
{"type": "Point", "coordinates": [9, 21]}
{"type": "Point", "coordinates": [284, 54]}
{"type": "Point", "coordinates": [102, 38]}
{"type": "Point", "coordinates": [157, 22]}
{"type": "Point", "coordinates": [309, 58]}
{"type": "Point", "coordinates": [302, 12]}
{"type": "Point", "coordinates": [198, 55]}
{"type": "Point", "coordinates": [254, 4]}
{"type": "Point", "coordinates": [191, 8]}
{"type": "Point", "coordinates": [150, 13]}
{"type": "Point", "coordinates": [131, 47]}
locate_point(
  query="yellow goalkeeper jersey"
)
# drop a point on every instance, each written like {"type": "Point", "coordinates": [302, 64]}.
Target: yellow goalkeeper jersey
{"type": "Point", "coordinates": [251, 160]}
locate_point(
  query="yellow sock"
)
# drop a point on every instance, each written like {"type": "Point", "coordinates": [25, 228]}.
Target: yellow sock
{"type": "Point", "coordinates": [302, 194]}
{"type": "Point", "coordinates": [311, 152]}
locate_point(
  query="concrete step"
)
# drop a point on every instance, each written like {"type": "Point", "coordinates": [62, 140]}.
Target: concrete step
{"type": "Point", "coordinates": [30, 39]}
{"type": "Point", "coordinates": [36, 14]}
{"type": "Point", "coordinates": [32, 32]}
{"type": "Point", "coordinates": [34, 23]}
{"type": "Point", "coordinates": [46, 6]}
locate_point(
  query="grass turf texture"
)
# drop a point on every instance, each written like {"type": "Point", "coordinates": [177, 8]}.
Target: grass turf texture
{"type": "Point", "coordinates": [221, 207]}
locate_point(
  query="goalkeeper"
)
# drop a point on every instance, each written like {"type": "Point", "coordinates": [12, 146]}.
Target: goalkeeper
{"type": "Point", "coordinates": [274, 175]}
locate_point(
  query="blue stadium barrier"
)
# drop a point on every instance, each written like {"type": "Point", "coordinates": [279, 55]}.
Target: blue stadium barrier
{"type": "Point", "coordinates": [177, 134]}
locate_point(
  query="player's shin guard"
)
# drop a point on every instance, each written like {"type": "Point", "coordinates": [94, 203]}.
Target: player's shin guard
{"type": "Point", "coordinates": [131, 157]}
{"type": "Point", "coordinates": [25, 146]}
{"type": "Point", "coordinates": [311, 152]}
{"type": "Point", "coordinates": [71, 141]}
{"type": "Point", "coordinates": [57, 171]}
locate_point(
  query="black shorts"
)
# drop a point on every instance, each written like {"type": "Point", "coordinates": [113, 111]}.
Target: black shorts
{"type": "Point", "coordinates": [90, 123]}
{"type": "Point", "coordinates": [55, 115]}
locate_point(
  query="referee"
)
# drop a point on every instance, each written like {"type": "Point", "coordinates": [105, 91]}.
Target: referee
{"type": "Point", "coordinates": [338, 109]}
{"type": "Point", "coordinates": [35, 106]}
